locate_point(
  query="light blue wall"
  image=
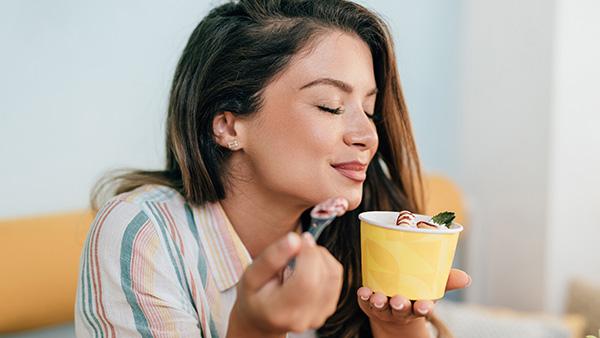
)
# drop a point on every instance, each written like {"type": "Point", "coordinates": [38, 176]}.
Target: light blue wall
{"type": "Point", "coordinates": [426, 35]}
{"type": "Point", "coordinates": [83, 88]}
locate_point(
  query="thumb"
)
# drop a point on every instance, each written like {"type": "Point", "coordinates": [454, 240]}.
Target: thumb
{"type": "Point", "coordinates": [457, 279]}
{"type": "Point", "coordinates": [274, 258]}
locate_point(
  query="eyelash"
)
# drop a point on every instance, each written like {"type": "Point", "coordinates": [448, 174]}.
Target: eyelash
{"type": "Point", "coordinates": [339, 111]}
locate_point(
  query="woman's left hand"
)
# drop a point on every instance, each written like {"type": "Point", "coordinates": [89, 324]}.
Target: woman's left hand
{"type": "Point", "coordinates": [398, 314]}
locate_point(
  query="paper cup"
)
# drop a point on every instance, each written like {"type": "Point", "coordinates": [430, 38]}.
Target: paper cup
{"type": "Point", "coordinates": [410, 262]}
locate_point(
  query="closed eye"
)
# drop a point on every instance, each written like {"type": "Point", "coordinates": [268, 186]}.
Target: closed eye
{"type": "Point", "coordinates": [339, 110]}
{"type": "Point", "coordinates": [336, 111]}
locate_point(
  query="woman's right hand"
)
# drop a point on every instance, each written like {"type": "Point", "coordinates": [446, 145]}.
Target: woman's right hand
{"type": "Point", "coordinates": [267, 307]}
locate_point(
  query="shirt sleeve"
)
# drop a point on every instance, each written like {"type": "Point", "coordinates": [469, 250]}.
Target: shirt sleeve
{"type": "Point", "coordinates": [130, 284]}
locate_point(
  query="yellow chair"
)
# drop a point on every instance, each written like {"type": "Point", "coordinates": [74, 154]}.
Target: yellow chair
{"type": "Point", "coordinates": [441, 194]}
{"type": "Point", "coordinates": [39, 263]}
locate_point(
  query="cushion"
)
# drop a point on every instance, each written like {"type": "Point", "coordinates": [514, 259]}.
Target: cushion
{"type": "Point", "coordinates": [474, 321]}
{"type": "Point", "coordinates": [39, 264]}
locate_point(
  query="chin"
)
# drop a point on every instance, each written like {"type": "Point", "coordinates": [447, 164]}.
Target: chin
{"type": "Point", "coordinates": [334, 188]}
{"type": "Point", "coordinates": [354, 202]}
{"type": "Point", "coordinates": [354, 197]}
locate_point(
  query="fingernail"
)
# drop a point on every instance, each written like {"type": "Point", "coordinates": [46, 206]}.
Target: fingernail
{"type": "Point", "coordinates": [397, 307]}
{"type": "Point", "coordinates": [422, 311]}
{"type": "Point", "coordinates": [378, 305]}
{"type": "Point", "coordinates": [309, 238]}
{"type": "Point", "coordinates": [469, 282]}
{"type": "Point", "coordinates": [361, 296]}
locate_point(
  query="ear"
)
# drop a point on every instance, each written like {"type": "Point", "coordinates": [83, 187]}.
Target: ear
{"type": "Point", "coordinates": [224, 130]}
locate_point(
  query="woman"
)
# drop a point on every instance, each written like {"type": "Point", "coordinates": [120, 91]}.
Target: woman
{"type": "Point", "coordinates": [275, 106]}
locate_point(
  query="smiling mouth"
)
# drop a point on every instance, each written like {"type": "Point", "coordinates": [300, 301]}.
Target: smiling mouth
{"type": "Point", "coordinates": [353, 173]}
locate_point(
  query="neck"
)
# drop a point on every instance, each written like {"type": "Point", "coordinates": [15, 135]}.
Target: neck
{"type": "Point", "coordinates": [260, 218]}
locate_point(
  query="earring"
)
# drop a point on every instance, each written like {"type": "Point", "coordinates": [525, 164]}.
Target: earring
{"type": "Point", "coordinates": [233, 145]}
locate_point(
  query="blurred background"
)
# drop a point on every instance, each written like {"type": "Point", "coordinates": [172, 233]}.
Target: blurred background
{"type": "Point", "coordinates": [504, 97]}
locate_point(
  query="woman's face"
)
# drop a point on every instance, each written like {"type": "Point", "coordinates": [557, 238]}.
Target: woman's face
{"type": "Point", "coordinates": [298, 147]}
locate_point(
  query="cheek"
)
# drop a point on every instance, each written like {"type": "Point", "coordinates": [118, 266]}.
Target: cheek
{"type": "Point", "coordinates": [307, 137]}
{"type": "Point", "coordinates": [294, 155]}
{"type": "Point", "coordinates": [304, 149]}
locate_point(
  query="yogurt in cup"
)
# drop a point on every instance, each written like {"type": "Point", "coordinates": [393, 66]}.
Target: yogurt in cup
{"type": "Point", "coordinates": [407, 261]}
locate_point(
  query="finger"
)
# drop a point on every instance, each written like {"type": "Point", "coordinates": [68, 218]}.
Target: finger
{"type": "Point", "coordinates": [307, 270]}
{"type": "Point", "coordinates": [457, 279]}
{"type": "Point", "coordinates": [331, 282]}
{"type": "Point", "coordinates": [315, 285]}
{"type": "Point", "coordinates": [272, 260]}
{"type": "Point", "coordinates": [422, 308]}
{"type": "Point", "coordinates": [364, 293]}
{"type": "Point", "coordinates": [378, 300]}
{"type": "Point", "coordinates": [334, 270]}
{"type": "Point", "coordinates": [380, 307]}
{"type": "Point", "coordinates": [332, 265]}
{"type": "Point", "coordinates": [401, 307]}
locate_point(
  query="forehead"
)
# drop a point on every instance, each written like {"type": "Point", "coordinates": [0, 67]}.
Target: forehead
{"type": "Point", "coordinates": [339, 55]}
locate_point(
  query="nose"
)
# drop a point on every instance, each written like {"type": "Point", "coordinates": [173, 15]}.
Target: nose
{"type": "Point", "coordinates": [361, 132]}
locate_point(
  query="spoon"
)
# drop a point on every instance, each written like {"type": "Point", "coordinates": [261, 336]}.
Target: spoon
{"type": "Point", "coordinates": [320, 217]}
{"type": "Point", "coordinates": [324, 213]}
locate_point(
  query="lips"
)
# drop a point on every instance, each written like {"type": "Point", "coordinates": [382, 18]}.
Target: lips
{"type": "Point", "coordinates": [355, 170]}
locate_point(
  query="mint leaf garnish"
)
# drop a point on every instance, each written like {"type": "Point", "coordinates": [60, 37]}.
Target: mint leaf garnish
{"type": "Point", "coordinates": [444, 218]}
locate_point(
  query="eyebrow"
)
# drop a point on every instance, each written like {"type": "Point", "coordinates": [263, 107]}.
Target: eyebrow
{"type": "Point", "coordinates": [335, 83]}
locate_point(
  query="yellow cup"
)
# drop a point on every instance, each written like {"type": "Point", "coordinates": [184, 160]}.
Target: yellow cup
{"type": "Point", "coordinates": [411, 262]}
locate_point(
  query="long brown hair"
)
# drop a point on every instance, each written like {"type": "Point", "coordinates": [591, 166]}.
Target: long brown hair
{"type": "Point", "coordinates": [229, 59]}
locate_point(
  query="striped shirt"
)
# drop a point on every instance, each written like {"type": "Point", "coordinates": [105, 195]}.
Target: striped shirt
{"type": "Point", "coordinates": [155, 266]}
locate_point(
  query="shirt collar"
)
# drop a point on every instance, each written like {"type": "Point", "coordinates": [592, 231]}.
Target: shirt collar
{"type": "Point", "coordinates": [226, 255]}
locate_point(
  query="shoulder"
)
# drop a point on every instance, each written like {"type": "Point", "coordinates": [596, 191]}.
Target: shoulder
{"type": "Point", "coordinates": [149, 206]}
{"type": "Point", "coordinates": [155, 202]}
{"type": "Point", "coordinates": [150, 193]}
{"type": "Point", "coordinates": [151, 225]}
